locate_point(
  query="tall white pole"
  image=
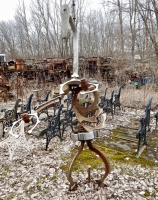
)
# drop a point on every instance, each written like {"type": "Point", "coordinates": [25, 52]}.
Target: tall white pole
{"type": "Point", "coordinates": [67, 19]}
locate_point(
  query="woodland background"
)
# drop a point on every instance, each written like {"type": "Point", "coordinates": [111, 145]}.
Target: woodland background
{"type": "Point", "coordinates": [117, 28]}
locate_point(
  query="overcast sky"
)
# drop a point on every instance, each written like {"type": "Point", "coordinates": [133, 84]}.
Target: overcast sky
{"type": "Point", "coordinates": [8, 7]}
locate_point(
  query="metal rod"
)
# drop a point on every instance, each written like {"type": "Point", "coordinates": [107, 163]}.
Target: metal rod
{"type": "Point", "coordinates": [104, 159]}
{"type": "Point", "coordinates": [69, 177]}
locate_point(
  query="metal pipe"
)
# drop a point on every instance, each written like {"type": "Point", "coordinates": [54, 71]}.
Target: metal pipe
{"type": "Point", "coordinates": [69, 177]}
{"type": "Point", "coordinates": [66, 18]}
{"type": "Point", "coordinates": [104, 159]}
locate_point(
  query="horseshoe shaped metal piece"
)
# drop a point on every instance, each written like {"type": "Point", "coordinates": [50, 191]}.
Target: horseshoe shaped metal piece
{"type": "Point", "coordinates": [37, 122]}
{"type": "Point", "coordinates": [85, 110]}
{"type": "Point", "coordinates": [73, 81]}
{"type": "Point", "coordinates": [95, 150]}
{"type": "Point", "coordinates": [76, 81]}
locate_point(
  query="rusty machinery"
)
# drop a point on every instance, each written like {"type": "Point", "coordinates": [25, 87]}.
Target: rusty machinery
{"type": "Point", "coordinates": [106, 68]}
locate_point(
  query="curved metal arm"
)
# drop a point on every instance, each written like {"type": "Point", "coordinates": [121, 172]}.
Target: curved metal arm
{"type": "Point", "coordinates": [37, 122]}
{"type": "Point", "coordinates": [30, 131]}
{"type": "Point", "coordinates": [11, 130]}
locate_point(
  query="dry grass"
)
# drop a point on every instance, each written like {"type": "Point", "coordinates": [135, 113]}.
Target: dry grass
{"type": "Point", "coordinates": [132, 97]}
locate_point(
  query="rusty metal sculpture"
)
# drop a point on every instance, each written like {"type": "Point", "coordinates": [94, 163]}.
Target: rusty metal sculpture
{"type": "Point", "coordinates": [86, 132]}
{"type": "Point", "coordinates": [90, 118]}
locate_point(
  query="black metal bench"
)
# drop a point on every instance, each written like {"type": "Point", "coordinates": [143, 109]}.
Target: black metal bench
{"type": "Point", "coordinates": [53, 128]}
{"type": "Point", "coordinates": [10, 116]}
{"type": "Point", "coordinates": [116, 101]}
{"type": "Point", "coordinates": [144, 124]}
{"type": "Point", "coordinates": [68, 101]}
{"type": "Point", "coordinates": [102, 102]}
{"type": "Point", "coordinates": [156, 116]}
{"type": "Point", "coordinates": [108, 106]}
{"type": "Point", "coordinates": [67, 119]}
{"type": "Point", "coordinates": [26, 107]}
{"type": "Point", "coordinates": [41, 101]}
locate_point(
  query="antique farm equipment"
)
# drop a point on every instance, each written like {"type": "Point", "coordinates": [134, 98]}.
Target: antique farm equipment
{"type": "Point", "coordinates": [107, 70]}
{"type": "Point", "coordinates": [82, 66]}
{"type": "Point", "coordinates": [134, 77]}
{"type": "Point", "coordinates": [92, 67]}
{"type": "Point", "coordinates": [4, 85]}
{"type": "Point", "coordinates": [19, 64]}
{"type": "Point", "coordinates": [11, 65]}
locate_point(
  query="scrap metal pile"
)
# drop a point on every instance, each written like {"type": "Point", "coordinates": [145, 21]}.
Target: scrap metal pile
{"type": "Point", "coordinates": [51, 69]}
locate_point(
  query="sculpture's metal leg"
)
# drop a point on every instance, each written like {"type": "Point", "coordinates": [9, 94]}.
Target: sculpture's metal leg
{"type": "Point", "coordinates": [69, 178]}
{"type": "Point", "coordinates": [102, 156]}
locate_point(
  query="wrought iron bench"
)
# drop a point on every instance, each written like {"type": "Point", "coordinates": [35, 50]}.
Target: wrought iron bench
{"type": "Point", "coordinates": [102, 102]}
{"type": "Point", "coordinates": [9, 116]}
{"type": "Point", "coordinates": [26, 108]}
{"type": "Point", "coordinates": [41, 101]}
{"type": "Point", "coordinates": [53, 128]}
{"type": "Point", "coordinates": [68, 101]}
{"type": "Point", "coordinates": [108, 107]}
{"type": "Point", "coordinates": [144, 124]}
{"type": "Point", "coordinates": [116, 101]}
{"type": "Point", "coordinates": [67, 120]}
{"type": "Point", "coordinates": [156, 116]}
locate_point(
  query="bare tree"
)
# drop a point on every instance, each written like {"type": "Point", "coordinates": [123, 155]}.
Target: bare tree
{"type": "Point", "coordinates": [7, 38]}
{"type": "Point", "coordinates": [23, 28]}
{"type": "Point", "coordinates": [148, 11]}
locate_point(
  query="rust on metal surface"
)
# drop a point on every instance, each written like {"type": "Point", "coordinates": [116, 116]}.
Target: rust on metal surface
{"type": "Point", "coordinates": [85, 110]}
{"type": "Point", "coordinates": [26, 117]}
{"type": "Point", "coordinates": [104, 159]}
{"type": "Point", "coordinates": [69, 177]}
{"type": "Point", "coordinates": [99, 126]}
{"type": "Point", "coordinates": [47, 104]}
{"type": "Point", "coordinates": [87, 119]}
{"type": "Point", "coordinates": [73, 184]}
{"type": "Point", "coordinates": [90, 119]}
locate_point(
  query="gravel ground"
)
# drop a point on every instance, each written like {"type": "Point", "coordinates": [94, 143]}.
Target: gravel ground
{"type": "Point", "coordinates": [36, 175]}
